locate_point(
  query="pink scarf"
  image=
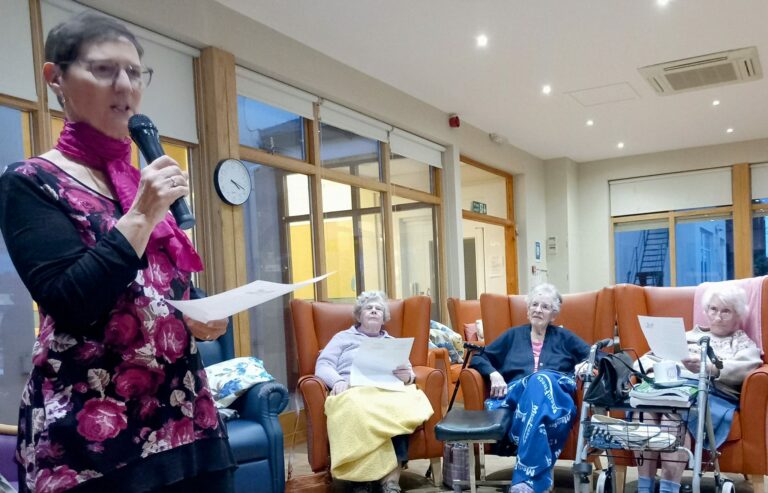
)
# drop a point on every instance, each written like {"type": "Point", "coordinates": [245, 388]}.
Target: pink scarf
{"type": "Point", "coordinates": [88, 146]}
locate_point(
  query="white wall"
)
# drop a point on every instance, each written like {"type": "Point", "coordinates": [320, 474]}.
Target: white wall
{"type": "Point", "coordinates": [562, 218]}
{"type": "Point", "coordinates": [592, 237]}
{"type": "Point", "coordinates": [202, 23]}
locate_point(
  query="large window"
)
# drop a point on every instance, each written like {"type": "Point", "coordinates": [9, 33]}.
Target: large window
{"type": "Point", "coordinates": [279, 249]}
{"type": "Point", "coordinates": [17, 312]}
{"type": "Point", "coordinates": [341, 150]}
{"type": "Point", "coordinates": [641, 253]}
{"type": "Point", "coordinates": [354, 240]}
{"type": "Point", "coordinates": [411, 173]}
{"type": "Point", "coordinates": [414, 230]}
{"type": "Point", "coordinates": [704, 250]}
{"type": "Point", "coordinates": [759, 232]}
{"type": "Point", "coordinates": [270, 129]}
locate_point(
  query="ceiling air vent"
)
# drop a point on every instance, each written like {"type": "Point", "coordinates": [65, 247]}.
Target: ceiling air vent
{"type": "Point", "coordinates": [715, 69]}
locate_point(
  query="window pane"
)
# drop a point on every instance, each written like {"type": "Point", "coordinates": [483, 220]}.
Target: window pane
{"type": "Point", "coordinates": [17, 313]}
{"type": "Point", "coordinates": [415, 241]}
{"type": "Point", "coordinates": [344, 151]}
{"type": "Point", "coordinates": [270, 129]}
{"type": "Point", "coordinates": [759, 254]}
{"type": "Point", "coordinates": [483, 187]}
{"type": "Point", "coordinates": [354, 241]}
{"type": "Point", "coordinates": [704, 250]}
{"type": "Point", "coordinates": [484, 259]}
{"type": "Point", "coordinates": [412, 174]}
{"type": "Point", "coordinates": [641, 253]}
{"type": "Point", "coordinates": [278, 249]}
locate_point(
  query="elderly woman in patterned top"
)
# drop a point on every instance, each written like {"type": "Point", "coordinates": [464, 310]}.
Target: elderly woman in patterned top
{"type": "Point", "coordinates": [725, 306]}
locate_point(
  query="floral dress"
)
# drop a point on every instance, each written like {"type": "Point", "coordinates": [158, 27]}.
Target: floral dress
{"type": "Point", "coordinates": [116, 378]}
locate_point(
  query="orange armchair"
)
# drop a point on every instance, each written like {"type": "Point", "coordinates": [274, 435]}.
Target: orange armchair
{"type": "Point", "coordinates": [315, 323]}
{"type": "Point", "coordinates": [589, 315]}
{"type": "Point", "coordinates": [461, 312]}
{"type": "Point", "coordinates": [746, 448]}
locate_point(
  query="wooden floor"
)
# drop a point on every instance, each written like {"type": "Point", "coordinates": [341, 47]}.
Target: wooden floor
{"type": "Point", "coordinates": [413, 480]}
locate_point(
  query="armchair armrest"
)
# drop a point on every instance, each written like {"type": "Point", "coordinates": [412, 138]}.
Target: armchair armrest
{"type": "Point", "coordinates": [262, 402]}
{"type": "Point", "coordinates": [754, 402]}
{"type": "Point", "coordinates": [438, 358]}
{"type": "Point", "coordinates": [314, 391]}
{"type": "Point", "coordinates": [473, 388]}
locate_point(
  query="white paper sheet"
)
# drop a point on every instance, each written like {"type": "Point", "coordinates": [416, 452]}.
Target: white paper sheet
{"type": "Point", "coordinates": [665, 336]}
{"type": "Point", "coordinates": [376, 359]}
{"type": "Point", "coordinates": [228, 303]}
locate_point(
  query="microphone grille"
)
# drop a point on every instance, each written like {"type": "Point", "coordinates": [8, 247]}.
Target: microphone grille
{"type": "Point", "coordinates": [140, 122]}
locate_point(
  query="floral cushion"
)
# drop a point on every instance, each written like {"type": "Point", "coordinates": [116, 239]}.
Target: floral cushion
{"type": "Point", "coordinates": [231, 378]}
{"type": "Point", "coordinates": [442, 336]}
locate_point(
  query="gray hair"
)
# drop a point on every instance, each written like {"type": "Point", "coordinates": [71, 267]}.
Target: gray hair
{"type": "Point", "coordinates": [367, 297]}
{"type": "Point", "coordinates": [732, 296]}
{"type": "Point", "coordinates": [545, 289]}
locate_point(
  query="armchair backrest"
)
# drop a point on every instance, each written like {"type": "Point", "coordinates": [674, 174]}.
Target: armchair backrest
{"type": "Point", "coordinates": [316, 322]}
{"type": "Point", "coordinates": [463, 312]}
{"type": "Point", "coordinates": [590, 315]}
{"type": "Point", "coordinates": [632, 300]}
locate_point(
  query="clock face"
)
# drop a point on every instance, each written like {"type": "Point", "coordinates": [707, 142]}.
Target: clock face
{"type": "Point", "coordinates": [233, 181]}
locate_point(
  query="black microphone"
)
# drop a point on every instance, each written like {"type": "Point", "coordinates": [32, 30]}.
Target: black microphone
{"type": "Point", "coordinates": [144, 134]}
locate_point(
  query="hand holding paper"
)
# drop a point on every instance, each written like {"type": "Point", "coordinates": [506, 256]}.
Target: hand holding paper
{"type": "Point", "coordinates": [375, 361]}
{"type": "Point", "coordinates": [665, 336]}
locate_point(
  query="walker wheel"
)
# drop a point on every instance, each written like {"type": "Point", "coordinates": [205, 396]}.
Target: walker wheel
{"type": "Point", "coordinates": [727, 487]}
{"type": "Point", "coordinates": [604, 482]}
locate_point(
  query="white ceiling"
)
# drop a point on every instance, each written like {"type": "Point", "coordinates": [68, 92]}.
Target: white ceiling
{"type": "Point", "coordinates": [426, 48]}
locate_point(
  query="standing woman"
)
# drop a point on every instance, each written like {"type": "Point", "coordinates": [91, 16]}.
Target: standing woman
{"type": "Point", "coordinates": [531, 370]}
{"type": "Point", "coordinates": [117, 399]}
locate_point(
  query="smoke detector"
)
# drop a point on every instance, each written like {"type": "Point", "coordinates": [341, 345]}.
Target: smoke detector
{"type": "Point", "coordinates": [714, 69]}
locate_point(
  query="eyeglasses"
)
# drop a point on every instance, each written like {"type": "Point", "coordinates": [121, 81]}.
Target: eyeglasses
{"type": "Point", "coordinates": [107, 71]}
{"type": "Point", "coordinates": [545, 307]}
{"type": "Point", "coordinates": [725, 313]}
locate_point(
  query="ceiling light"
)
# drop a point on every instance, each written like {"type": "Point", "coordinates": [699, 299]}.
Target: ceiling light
{"type": "Point", "coordinates": [620, 145]}
{"type": "Point", "coordinates": [716, 102]}
{"type": "Point", "coordinates": [482, 41]}
{"type": "Point", "coordinates": [546, 89]}
{"type": "Point", "coordinates": [729, 131]}
{"type": "Point", "coordinates": [662, 3]}
{"type": "Point", "coordinates": [590, 123]}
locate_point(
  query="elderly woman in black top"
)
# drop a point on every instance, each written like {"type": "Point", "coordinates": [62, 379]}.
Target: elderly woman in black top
{"type": "Point", "coordinates": [531, 370]}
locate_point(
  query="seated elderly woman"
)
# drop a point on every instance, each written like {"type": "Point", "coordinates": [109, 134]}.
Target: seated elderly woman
{"type": "Point", "coordinates": [725, 306]}
{"type": "Point", "coordinates": [531, 370]}
{"type": "Point", "coordinates": [368, 427]}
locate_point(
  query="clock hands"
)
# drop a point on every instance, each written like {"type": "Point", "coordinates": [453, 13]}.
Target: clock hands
{"type": "Point", "coordinates": [237, 184]}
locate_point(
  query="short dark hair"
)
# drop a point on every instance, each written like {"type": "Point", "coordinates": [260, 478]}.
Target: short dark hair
{"type": "Point", "coordinates": [65, 41]}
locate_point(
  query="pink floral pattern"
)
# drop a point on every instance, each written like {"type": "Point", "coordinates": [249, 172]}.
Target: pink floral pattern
{"type": "Point", "coordinates": [135, 390]}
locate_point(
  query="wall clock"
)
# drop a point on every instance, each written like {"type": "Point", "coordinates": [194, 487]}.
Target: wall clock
{"type": "Point", "coordinates": [232, 181]}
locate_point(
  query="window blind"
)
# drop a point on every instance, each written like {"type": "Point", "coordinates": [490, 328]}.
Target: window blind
{"type": "Point", "coordinates": [352, 121]}
{"type": "Point", "coordinates": [412, 146]}
{"type": "Point", "coordinates": [274, 93]}
{"type": "Point", "coordinates": [18, 77]}
{"type": "Point", "coordinates": [671, 192]}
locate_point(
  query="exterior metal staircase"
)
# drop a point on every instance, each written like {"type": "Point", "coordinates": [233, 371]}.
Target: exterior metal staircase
{"type": "Point", "coordinates": [649, 258]}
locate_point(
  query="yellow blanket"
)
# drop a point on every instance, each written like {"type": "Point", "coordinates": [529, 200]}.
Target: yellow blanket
{"type": "Point", "coordinates": [361, 423]}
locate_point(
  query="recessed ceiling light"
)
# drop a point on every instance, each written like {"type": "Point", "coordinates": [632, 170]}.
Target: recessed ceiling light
{"type": "Point", "coordinates": [662, 3]}
{"type": "Point", "coordinates": [546, 89]}
{"type": "Point", "coordinates": [590, 123]}
{"type": "Point", "coordinates": [716, 102]}
{"type": "Point", "coordinates": [482, 41]}
{"type": "Point", "coordinates": [620, 145]}
{"type": "Point", "coordinates": [729, 131]}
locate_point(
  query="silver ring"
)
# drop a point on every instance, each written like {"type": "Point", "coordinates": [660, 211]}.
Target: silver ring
{"type": "Point", "coordinates": [173, 182]}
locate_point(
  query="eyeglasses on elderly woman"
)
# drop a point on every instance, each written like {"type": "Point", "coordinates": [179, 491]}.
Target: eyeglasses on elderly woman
{"type": "Point", "coordinates": [107, 71]}
{"type": "Point", "coordinates": [725, 313]}
{"type": "Point", "coordinates": [545, 307]}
